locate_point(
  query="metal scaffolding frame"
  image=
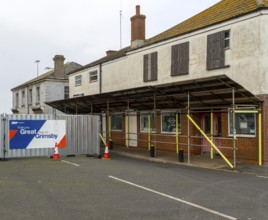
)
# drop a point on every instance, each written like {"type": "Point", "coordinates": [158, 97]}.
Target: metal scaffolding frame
{"type": "Point", "coordinates": [210, 94]}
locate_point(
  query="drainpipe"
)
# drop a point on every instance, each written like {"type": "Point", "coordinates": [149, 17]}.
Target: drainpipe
{"type": "Point", "coordinates": [100, 84]}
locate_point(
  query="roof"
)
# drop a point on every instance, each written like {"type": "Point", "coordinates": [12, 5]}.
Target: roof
{"type": "Point", "coordinates": [48, 75]}
{"type": "Point", "coordinates": [115, 55]}
{"type": "Point", "coordinates": [212, 92]}
{"type": "Point", "coordinates": [220, 12]}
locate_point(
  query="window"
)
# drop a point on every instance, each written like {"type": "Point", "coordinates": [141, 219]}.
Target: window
{"type": "Point", "coordinates": [245, 124]}
{"type": "Point", "coordinates": [78, 80]}
{"type": "Point", "coordinates": [116, 122]}
{"type": "Point", "coordinates": [30, 96]}
{"type": "Point", "coordinates": [144, 121]}
{"type": "Point", "coordinates": [37, 95]}
{"type": "Point", "coordinates": [17, 101]}
{"type": "Point", "coordinates": [150, 67]}
{"type": "Point", "coordinates": [169, 122]}
{"type": "Point", "coordinates": [66, 92]}
{"type": "Point", "coordinates": [23, 99]}
{"type": "Point", "coordinates": [215, 50]}
{"type": "Point", "coordinates": [180, 59]}
{"type": "Point", "coordinates": [93, 76]}
{"type": "Point", "coordinates": [227, 39]}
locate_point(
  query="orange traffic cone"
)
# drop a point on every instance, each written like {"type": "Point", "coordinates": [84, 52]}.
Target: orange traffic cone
{"type": "Point", "coordinates": [56, 153]}
{"type": "Point", "coordinates": [106, 155]}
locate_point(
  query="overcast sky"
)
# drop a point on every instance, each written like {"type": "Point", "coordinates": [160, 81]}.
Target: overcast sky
{"type": "Point", "coordinates": [81, 30]}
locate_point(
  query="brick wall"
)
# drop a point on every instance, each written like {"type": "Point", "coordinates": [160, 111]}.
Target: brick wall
{"type": "Point", "coordinates": [247, 147]}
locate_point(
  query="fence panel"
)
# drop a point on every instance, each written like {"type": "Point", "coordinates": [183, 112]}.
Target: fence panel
{"type": "Point", "coordinates": [1, 136]}
{"type": "Point", "coordinates": [81, 136]}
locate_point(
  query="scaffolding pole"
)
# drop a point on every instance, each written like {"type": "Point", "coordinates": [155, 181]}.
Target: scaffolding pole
{"type": "Point", "coordinates": [260, 139]}
{"type": "Point", "coordinates": [127, 129]}
{"type": "Point", "coordinates": [109, 122]}
{"type": "Point", "coordinates": [234, 129]}
{"type": "Point", "coordinates": [211, 133]}
{"type": "Point", "coordinates": [149, 132]}
{"type": "Point", "coordinates": [188, 124]}
{"type": "Point", "coordinates": [177, 132]}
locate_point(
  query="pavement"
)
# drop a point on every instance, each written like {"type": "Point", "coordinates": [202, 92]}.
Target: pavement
{"type": "Point", "coordinates": [195, 160]}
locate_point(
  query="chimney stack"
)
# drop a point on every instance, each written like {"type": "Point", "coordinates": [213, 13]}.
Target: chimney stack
{"type": "Point", "coordinates": [137, 28]}
{"type": "Point", "coordinates": [59, 66]}
{"type": "Point", "coordinates": [259, 3]}
{"type": "Point", "coordinates": [110, 52]}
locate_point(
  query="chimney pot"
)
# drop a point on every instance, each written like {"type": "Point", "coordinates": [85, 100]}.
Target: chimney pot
{"type": "Point", "coordinates": [138, 10]}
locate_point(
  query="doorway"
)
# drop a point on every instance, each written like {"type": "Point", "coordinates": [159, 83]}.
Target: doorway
{"type": "Point", "coordinates": [216, 131]}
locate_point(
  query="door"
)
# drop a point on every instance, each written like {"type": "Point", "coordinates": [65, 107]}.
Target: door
{"type": "Point", "coordinates": [206, 126]}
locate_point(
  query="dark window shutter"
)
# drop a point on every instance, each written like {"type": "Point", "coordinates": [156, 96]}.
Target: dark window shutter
{"type": "Point", "coordinates": [183, 59]}
{"type": "Point", "coordinates": [154, 66]}
{"type": "Point", "coordinates": [215, 50]}
{"type": "Point", "coordinates": [145, 68]}
{"type": "Point", "coordinates": [180, 59]}
{"type": "Point", "coordinates": [150, 67]}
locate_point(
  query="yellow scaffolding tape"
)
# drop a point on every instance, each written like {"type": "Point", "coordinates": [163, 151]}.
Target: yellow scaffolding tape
{"type": "Point", "coordinates": [177, 133]}
{"type": "Point", "coordinates": [102, 139]}
{"type": "Point", "coordinates": [260, 140]}
{"type": "Point", "coordinates": [211, 134]}
{"type": "Point", "coordinates": [212, 144]}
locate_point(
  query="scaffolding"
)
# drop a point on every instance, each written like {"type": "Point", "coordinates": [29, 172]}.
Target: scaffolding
{"type": "Point", "coordinates": [210, 95]}
{"type": "Point", "coordinates": [234, 109]}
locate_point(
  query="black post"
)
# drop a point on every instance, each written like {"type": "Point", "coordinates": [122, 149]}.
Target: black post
{"type": "Point", "coordinates": [152, 151]}
{"type": "Point", "coordinates": [181, 156]}
{"type": "Point", "coordinates": [111, 146]}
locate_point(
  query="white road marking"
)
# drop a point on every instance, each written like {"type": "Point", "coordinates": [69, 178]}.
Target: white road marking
{"type": "Point", "coordinates": [64, 161]}
{"type": "Point", "coordinates": [265, 177]}
{"type": "Point", "coordinates": [174, 198]}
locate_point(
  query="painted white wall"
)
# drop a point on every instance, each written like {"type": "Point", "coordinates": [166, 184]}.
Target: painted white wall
{"type": "Point", "coordinates": [86, 87]}
{"type": "Point", "coordinates": [247, 58]}
{"type": "Point", "coordinates": [49, 91]}
{"type": "Point", "coordinates": [264, 54]}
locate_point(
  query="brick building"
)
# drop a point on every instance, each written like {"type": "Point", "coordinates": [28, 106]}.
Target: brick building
{"type": "Point", "coordinates": [205, 78]}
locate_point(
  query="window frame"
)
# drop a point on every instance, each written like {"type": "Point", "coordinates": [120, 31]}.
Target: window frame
{"type": "Point", "coordinates": [17, 100]}
{"type": "Point", "coordinates": [66, 92]}
{"type": "Point", "coordinates": [150, 67]}
{"type": "Point", "coordinates": [230, 122]}
{"type": "Point", "coordinates": [38, 95]}
{"type": "Point", "coordinates": [93, 74]}
{"type": "Point", "coordinates": [113, 116]}
{"type": "Point", "coordinates": [216, 51]}
{"type": "Point", "coordinates": [23, 98]}
{"type": "Point", "coordinates": [78, 80]}
{"type": "Point", "coordinates": [152, 118]}
{"type": "Point", "coordinates": [180, 59]}
{"type": "Point", "coordinates": [30, 95]}
{"type": "Point", "coordinates": [227, 39]}
{"type": "Point", "coordinates": [179, 123]}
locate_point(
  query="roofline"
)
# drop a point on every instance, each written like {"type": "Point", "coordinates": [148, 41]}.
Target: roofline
{"type": "Point", "coordinates": [36, 82]}
{"type": "Point", "coordinates": [197, 29]}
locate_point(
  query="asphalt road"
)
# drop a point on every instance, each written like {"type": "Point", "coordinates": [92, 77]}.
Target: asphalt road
{"type": "Point", "coordinates": [124, 188]}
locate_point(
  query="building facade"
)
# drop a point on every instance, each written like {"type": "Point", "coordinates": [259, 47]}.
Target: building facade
{"type": "Point", "coordinates": [207, 73]}
{"type": "Point", "coordinates": [30, 97]}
